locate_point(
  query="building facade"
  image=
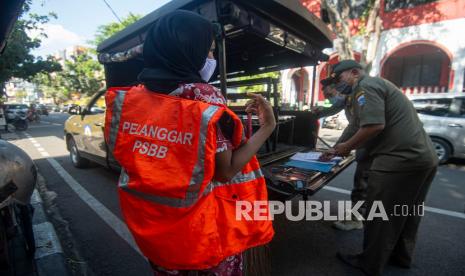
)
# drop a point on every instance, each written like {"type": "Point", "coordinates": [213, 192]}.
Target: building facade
{"type": "Point", "coordinates": [421, 49]}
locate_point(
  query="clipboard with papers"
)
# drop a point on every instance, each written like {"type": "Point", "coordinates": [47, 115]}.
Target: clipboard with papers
{"type": "Point", "coordinates": [310, 161]}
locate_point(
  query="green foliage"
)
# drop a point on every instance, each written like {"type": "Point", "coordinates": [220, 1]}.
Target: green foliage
{"type": "Point", "coordinates": [53, 86]}
{"type": "Point", "coordinates": [17, 60]}
{"type": "Point", "coordinates": [82, 74]}
{"type": "Point", "coordinates": [258, 88]}
{"type": "Point", "coordinates": [105, 31]}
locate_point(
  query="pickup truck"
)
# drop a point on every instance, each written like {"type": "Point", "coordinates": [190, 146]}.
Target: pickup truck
{"type": "Point", "coordinates": [252, 37]}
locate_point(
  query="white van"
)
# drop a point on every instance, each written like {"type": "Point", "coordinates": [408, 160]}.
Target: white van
{"type": "Point", "coordinates": [443, 117]}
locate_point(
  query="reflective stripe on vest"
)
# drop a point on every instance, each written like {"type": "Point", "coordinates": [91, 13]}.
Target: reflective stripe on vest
{"type": "Point", "coordinates": [115, 117]}
{"type": "Point", "coordinates": [197, 178]}
{"type": "Point", "coordinates": [179, 203]}
{"type": "Point", "coordinates": [240, 178]}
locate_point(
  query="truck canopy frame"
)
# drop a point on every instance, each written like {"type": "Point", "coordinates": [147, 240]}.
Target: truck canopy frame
{"type": "Point", "coordinates": [253, 36]}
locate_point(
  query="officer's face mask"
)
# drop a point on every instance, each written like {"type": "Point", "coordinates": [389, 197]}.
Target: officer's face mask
{"type": "Point", "coordinates": [344, 88]}
{"type": "Point", "coordinates": [208, 69]}
{"type": "Point", "coordinates": [337, 101]}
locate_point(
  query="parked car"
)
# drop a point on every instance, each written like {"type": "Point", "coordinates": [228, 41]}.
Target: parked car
{"type": "Point", "coordinates": [64, 108]}
{"type": "Point", "coordinates": [16, 115]}
{"type": "Point", "coordinates": [338, 121]}
{"type": "Point", "coordinates": [50, 107]}
{"type": "Point", "coordinates": [84, 134]}
{"type": "Point", "coordinates": [42, 110]}
{"type": "Point", "coordinates": [10, 108]}
{"type": "Point", "coordinates": [443, 118]}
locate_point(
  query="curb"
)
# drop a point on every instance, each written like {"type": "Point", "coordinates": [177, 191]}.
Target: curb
{"type": "Point", "coordinates": [49, 257]}
{"type": "Point", "coordinates": [8, 136]}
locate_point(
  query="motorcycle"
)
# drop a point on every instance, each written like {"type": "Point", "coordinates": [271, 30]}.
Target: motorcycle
{"type": "Point", "coordinates": [18, 176]}
{"type": "Point", "coordinates": [33, 116]}
{"type": "Point", "coordinates": [18, 119]}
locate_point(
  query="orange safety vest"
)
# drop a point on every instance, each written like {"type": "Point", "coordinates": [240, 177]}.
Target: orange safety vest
{"type": "Point", "coordinates": [180, 217]}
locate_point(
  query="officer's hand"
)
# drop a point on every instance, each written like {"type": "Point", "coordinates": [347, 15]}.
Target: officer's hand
{"type": "Point", "coordinates": [342, 149]}
{"type": "Point", "coordinates": [262, 108]}
{"type": "Point", "coordinates": [327, 155]}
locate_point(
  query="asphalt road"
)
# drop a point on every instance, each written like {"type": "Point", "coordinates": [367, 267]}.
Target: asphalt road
{"type": "Point", "coordinates": [88, 219]}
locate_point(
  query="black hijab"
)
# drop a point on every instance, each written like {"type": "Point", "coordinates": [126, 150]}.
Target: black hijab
{"type": "Point", "coordinates": [175, 50]}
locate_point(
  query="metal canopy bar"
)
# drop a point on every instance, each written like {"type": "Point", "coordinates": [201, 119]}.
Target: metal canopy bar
{"type": "Point", "coordinates": [123, 56]}
{"type": "Point", "coordinates": [220, 39]}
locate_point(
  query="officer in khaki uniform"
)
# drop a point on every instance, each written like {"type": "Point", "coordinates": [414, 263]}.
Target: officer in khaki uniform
{"type": "Point", "coordinates": [403, 165]}
{"type": "Point", "coordinates": [358, 193]}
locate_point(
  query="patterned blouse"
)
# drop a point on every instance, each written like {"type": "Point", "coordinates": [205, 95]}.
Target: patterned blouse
{"type": "Point", "coordinates": [209, 94]}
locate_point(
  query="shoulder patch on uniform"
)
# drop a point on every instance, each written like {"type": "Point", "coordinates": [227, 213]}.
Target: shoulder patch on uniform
{"type": "Point", "coordinates": [361, 99]}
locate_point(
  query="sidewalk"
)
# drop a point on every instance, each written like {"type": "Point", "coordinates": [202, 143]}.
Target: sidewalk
{"type": "Point", "coordinates": [8, 136]}
{"type": "Point", "coordinates": [48, 258]}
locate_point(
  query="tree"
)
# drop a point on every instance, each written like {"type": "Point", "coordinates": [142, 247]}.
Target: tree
{"type": "Point", "coordinates": [53, 86]}
{"type": "Point", "coordinates": [105, 31]}
{"type": "Point", "coordinates": [83, 73]}
{"type": "Point", "coordinates": [370, 30]}
{"type": "Point", "coordinates": [17, 60]}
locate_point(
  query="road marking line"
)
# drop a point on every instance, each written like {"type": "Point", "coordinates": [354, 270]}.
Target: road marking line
{"type": "Point", "coordinates": [106, 215]}
{"type": "Point", "coordinates": [48, 126]}
{"type": "Point", "coordinates": [428, 209]}
{"type": "Point", "coordinates": [50, 123]}
{"type": "Point", "coordinates": [445, 212]}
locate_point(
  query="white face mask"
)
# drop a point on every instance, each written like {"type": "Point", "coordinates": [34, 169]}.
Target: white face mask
{"type": "Point", "coordinates": [208, 69]}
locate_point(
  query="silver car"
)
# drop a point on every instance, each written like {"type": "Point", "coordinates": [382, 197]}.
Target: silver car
{"type": "Point", "coordinates": [443, 118]}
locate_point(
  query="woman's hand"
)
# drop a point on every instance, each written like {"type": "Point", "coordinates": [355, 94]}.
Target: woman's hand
{"type": "Point", "coordinates": [229, 163]}
{"type": "Point", "coordinates": [263, 109]}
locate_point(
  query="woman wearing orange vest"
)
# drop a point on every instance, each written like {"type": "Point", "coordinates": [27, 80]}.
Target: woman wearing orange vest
{"type": "Point", "coordinates": [186, 162]}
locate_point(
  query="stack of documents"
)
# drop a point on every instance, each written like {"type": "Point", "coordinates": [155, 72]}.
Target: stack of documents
{"type": "Point", "coordinates": [310, 161]}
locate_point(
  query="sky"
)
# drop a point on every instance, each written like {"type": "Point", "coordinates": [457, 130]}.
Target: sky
{"type": "Point", "coordinates": [78, 20]}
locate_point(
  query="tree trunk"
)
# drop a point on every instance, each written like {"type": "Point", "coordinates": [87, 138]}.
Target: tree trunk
{"type": "Point", "coordinates": [371, 35]}
{"type": "Point", "coordinates": [340, 26]}
{"type": "Point", "coordinates": [339, 19]}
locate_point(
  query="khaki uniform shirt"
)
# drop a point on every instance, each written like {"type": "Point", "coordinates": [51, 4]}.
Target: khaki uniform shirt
{"type": "Point", "coordinates": [403, 144]}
